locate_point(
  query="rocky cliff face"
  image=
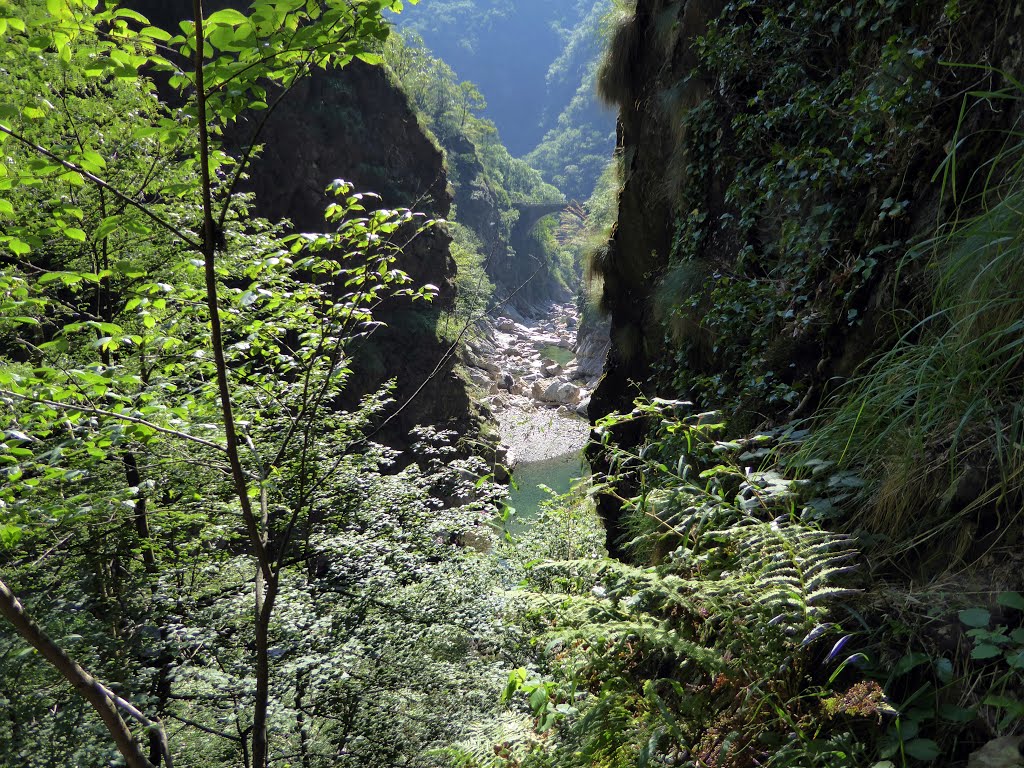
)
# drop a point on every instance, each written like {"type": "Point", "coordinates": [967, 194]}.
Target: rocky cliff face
{"type": "Point", "coordinates": [781, 160]}
{"type": "Point", "coordinates": [355, 124]}
{"type": "Point", "coordinates": [857, 180]}
{"type": "Point", "coordinates": [512, 258]}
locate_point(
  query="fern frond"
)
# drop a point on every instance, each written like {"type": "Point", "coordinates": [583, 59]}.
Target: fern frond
{"type": "Point", "coordinates": [491, 744]}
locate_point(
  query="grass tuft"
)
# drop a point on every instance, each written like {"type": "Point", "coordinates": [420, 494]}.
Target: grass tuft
{"type": "Point", "coordinates": [934, 424]}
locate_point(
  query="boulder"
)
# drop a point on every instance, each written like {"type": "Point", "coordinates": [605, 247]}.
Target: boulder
{"type": "Point", "coordinates": [478, 377]}
{"type": "Point", "coordinates": [550, 368]}
{"type": "Point", "coordinates": [498, 401]}
{"type": "Point", "coordinates": [538, 389]}
{"type": "Point", "coordinates": [505, 324]}
{"type": "Point", "coordinates": [557, 391]}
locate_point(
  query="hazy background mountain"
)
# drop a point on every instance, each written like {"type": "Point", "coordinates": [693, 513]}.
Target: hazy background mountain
{"type": "Point", "coordinates": [534, 62]}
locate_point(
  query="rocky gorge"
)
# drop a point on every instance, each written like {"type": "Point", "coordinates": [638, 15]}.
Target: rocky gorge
{"type": "Point", "coordinates": [535, 373]}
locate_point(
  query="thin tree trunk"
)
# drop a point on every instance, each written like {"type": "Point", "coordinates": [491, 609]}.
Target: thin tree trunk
{"type": "Point", "coordinates": [256, 532]}
{"type": "Point", "coordinates": [83, 682]}
{"type": "Point", "coordinates": [131, 468]}
{"type": "Point", "coordinates": [301, 681]}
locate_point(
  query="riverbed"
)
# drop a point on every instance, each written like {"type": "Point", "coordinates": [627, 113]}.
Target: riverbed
{"type": "Point", "coordinates": [538, 392]}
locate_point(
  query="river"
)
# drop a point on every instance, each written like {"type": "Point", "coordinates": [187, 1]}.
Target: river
{"type": "Point", "coordinates": [538, 391]}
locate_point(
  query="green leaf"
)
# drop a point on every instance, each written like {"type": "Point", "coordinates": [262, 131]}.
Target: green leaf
{"type": "Point", "coordinates": [538, 698]}
{"type": "Point", "coordinates": [6, 208]}
{"type": "Point", "coordinates": [975, 617]}
{"type": "Point", "coordinates": [128, 269]}
{"type": "Point", "coordinates": [18, 247]}
{"type": "Point", "coordinates": [155, 33]}
{"type": "Point", "coordinates": [74, 178]}
{"type": "Point", "coordinates": [128, 13]}
{"type": "Point", "coordinates": [74, 233]}
{"type": "Point", "coordinates": [956, 714]}
{"type": "Point", "coordinates": [228, 16]}
{"type": "Point", "coordinates": [1011, 600]}
{"type": "Point", "coordinates": [68, 278]}
{"type": "Point", "coordinates": [922, 749]}
{"type": "Point", "coordinates": [985, 651]}
{"type": "Point", "coordinates": [107, 226]}
{"type": "Point", "coordinates": [32, 113]}
{"type": "Point", "coordinates": [515, 679]}
{"type": "Point", "coordinates": [93, 161]}
{"type": "Point", "coordinates": [909, 662]}
{"type": "Point", "coordinates": [1002, 701]}
{"type": "Point", "coordinates": [9, 534]}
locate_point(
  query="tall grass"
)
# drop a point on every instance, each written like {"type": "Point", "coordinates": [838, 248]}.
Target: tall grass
{"type": "Point", "coordinates": [936, 423]}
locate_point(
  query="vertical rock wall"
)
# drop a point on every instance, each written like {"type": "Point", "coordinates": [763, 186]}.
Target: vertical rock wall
{"type": "Point", "coordinates": [780, 161]}
{"type": "Point", "coordinates": [355, 124]}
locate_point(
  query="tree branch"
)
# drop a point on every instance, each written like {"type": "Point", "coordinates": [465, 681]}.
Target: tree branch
{"type": "Point", "coordinates": [111, 414]}
{"type": "Point", "coordinates": [101, 699]}
{"type": "Point", "coordinates": [104, 185]}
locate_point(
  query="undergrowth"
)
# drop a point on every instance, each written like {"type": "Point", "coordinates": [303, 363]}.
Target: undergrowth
{"type": "Point", "coordinates": [936, 424]}
{"type": "Point", "coordinates": [722, 653]}
{"type": "Point", "coordinates": [753, 636]}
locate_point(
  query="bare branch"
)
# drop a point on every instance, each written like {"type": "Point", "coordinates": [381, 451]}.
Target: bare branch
{"type": "Point", "coordinates": [113, 415]}
{"type": "Point", "coordinates": [92, 691]}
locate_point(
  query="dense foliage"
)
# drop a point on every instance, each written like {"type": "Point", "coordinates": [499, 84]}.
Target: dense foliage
{"type": "Point", "coordinates": [205, 558]}
{"type": "Point", "coordinates": [812, 193]}
{"type": "Point", "coordinates": [200, 549]}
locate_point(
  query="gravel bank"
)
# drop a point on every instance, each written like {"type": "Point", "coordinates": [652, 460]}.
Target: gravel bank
{"type": "Point", "coordinates": [533, 434]}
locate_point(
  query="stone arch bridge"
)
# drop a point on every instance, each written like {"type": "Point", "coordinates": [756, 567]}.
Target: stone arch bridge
{"type": "Point", "coordinates": [531, 213]}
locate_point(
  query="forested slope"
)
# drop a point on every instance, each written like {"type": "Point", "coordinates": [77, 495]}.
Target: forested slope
{"type": "Point", "coordinates": [206, 555]}
{"type": "Point", "coordinates": [493, 192]}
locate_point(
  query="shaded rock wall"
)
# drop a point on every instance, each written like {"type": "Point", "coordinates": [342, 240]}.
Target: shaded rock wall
{"type": "Point", "coordinates": [779, 164]}
{"type": "Point", "coordinates": [355, 124]}
{"type": "Point", "coordinates": [512, 257]}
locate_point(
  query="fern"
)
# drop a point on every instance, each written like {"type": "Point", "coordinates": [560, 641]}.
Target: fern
{"type": "Point", "coordinates": [492, 744]}
{"type": "Point", "coordinates": [713, 646]}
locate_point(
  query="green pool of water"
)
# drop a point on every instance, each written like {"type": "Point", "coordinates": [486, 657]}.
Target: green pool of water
{"type": "Point", "coordinates": [557, 473]}
{"type": "Point", "coordinates": [559, 355]}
